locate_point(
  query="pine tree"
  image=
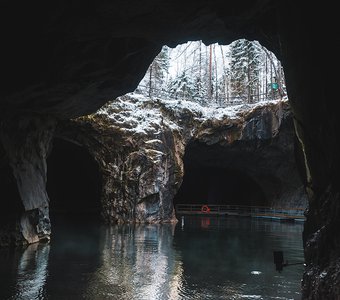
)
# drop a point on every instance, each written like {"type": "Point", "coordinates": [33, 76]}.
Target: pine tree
{"type": "Point", "coordinates": [253, 71]}
{"type": "Point", "coordinates": [155, 80]}
{"type": "Point", "coordinates": [245, 70]}
{"type": "Point", "coordinates": [182, 87]}
{"type": "Point", "coordinates": [274, 74]}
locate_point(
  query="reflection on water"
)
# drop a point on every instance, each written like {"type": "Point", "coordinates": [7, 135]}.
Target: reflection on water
{"type": "Point", "coordinates": [198, 258]}
{"type": "Point", "coordinates": [30, 271]}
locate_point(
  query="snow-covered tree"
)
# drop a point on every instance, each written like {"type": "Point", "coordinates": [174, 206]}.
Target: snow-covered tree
{"type": "Point", "coordinates": [218, 74]}
{"type": "Point", "coordinates": [245, 70]}
{"type": "Point", "coordinates": [154, 82]}
{"type": "Point", "coordinates": [182, 87]}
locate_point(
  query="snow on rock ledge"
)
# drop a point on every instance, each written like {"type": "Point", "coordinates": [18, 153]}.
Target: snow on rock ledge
{"type": "Point", "coordinates": [139, 145]}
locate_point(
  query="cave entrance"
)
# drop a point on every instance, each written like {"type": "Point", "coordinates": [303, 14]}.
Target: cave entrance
{"type": "Point", "coordinates": [73, 182]}
{"type": "Point", "coordinates": [219, 186]}
{"type": "Point", "coordinates": [215, 176]}
{"type": "Point", "coordinates": [222, 75]}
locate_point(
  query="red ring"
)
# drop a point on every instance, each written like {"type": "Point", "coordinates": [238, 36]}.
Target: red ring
{"type": "Point", "coordinates": [205, 209]}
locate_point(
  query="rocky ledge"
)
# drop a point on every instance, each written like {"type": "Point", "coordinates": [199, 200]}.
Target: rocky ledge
{"type": "Point", "coordinates": [139, 145]}
{"type": "Point", "coordinates": [141, 149]}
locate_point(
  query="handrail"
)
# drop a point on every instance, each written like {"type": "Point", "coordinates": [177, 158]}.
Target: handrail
{"type": "Point", "coordinates": [244, 209]}
{"type": "Point", "coordinates": [236, 205]}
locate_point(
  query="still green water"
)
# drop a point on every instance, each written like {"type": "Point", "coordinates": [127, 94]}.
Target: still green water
{"type": "Point", "coordinates": [200, 258]}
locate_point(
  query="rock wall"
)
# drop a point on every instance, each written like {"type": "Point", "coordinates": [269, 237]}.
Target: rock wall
{"type": "Point", "coordinates": [140, 174]}
{"type": "Point", "coordinates": [139, 145]}
{"type": "Point", "coordinates": [26, 144]}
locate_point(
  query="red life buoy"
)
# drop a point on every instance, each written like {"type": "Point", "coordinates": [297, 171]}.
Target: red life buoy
{"type": "Point", "coordinates": [205, 209]}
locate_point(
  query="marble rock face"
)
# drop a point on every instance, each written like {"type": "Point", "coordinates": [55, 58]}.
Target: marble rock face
{"type": "Point", "coordinates": [139, 145]}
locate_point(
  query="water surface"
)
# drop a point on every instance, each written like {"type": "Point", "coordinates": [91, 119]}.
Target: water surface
{"type": "Point", "coordinates": [200, 258]}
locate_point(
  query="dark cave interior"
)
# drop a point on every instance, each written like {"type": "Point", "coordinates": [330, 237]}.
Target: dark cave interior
{"type": "Point", "coordinates": [73, 181]}
{"type": "Point", "coordinates": [211, 185]}
{"type": "Point", "coordinates": [206, 183]}
{"type": "Point", "coordinates": [9, 195]}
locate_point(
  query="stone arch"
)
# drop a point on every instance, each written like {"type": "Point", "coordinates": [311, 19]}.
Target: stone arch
{"type": "Point", "coordinates": [253, 170]}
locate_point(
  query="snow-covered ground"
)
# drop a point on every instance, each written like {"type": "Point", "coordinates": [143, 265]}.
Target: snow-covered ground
{"type": "Point", "coordinates": [139, 114]}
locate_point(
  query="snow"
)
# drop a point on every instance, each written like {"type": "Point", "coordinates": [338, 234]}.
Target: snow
{"type": "Point", "coordinates": [323, 274]}
{"type": "Point", "coordinates": [142, 115]}
{"type": "Point", "coordinates": [183, 55]}
{"type": "Point", "coordinates": [154, 141]}
{"type": "Point", "coordinates": [135, 116]}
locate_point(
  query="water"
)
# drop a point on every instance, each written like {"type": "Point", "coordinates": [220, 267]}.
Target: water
{"type": "Point", "coordinates": [200, 258]}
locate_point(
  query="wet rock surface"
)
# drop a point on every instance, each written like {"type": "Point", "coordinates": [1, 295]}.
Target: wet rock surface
{"type": "Point", "coordinates": [139, 145]}
{"type": "Point", "coordinates": [26, 144]}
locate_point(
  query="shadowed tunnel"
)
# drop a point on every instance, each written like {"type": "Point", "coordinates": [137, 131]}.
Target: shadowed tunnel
{"type": "Point", "coordinates": [212, 185]}
{"type": "Point", "coordinates": [73, 181]}
{"type": "Point", "coordinates": [216, 175]}
{"type": "Point", "coordinates": [242, 173]}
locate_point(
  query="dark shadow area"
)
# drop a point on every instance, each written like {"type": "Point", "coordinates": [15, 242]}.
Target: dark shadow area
{"type": "Point", "coordinates": [237, 252]}
{"type": "Point", "coordinates": [11, 203]}
{"type": "Point", "coordinates": [11, 207]}
{"type": "Point", "coordinates": [73, 182]}
{"type": "Point", "coordinates": [212, 185]}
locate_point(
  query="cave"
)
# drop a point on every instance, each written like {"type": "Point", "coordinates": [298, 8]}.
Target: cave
{"type": "Point", "coordinates": [73, 182]}
{"type": "Point", "coordinates": [218, 186]}
{"type": "Point", "coordinates": [64, 60]}
{"type": "Point", "coordinates": [246, 172]}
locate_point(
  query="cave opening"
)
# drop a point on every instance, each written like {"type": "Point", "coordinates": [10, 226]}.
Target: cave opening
{"type": "Point", "coordinates": [242, 71]}
{"type": "Point", "coordinates": [208, 181]}
{"type": "Point", "coordinates": [73, 182]}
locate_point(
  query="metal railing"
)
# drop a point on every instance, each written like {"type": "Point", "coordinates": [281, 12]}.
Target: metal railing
{"type": "Point", "coordinates": [241, 210]}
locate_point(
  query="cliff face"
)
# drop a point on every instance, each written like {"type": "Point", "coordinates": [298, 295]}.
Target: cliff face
{"type": "Point", "coordinates": [139, 145]}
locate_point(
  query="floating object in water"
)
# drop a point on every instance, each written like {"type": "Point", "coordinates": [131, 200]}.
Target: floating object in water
{"type": "Point", "coordinates": [255, 272]}
{"type": "Point", "coordinates": [205, 209]}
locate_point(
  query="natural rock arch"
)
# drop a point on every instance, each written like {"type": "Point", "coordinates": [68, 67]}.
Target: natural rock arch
{"type": "Point", "coordinates": [263, 164]}
{"type": "Point", "coordinates": [64, 60]}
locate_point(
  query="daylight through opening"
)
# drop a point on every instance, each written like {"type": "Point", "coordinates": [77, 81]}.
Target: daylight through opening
{"type": "Point", "coordinates": [242, 72]}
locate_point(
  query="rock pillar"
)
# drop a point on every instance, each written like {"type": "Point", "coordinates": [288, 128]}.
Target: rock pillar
{"type": "Point", "coordinates": [26, 140]}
